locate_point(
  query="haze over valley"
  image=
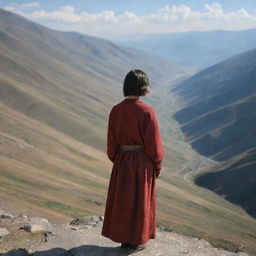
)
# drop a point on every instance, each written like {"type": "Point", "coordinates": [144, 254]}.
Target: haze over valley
{"type": "Point", "coordinates": [195, 48]}
{"type": "Point", "coordinates": [219, 122]}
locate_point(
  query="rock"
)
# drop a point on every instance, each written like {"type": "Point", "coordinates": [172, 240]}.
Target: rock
{"type": "Point", "coordinates": [39, 221]}
{"type": "Point", "coordinates": [47, 234]}
{"type": "Point", "coordinates": [86, 227]}
{"type": "Point", "coordinates": [7, 216]}
{"type": "Point", "coordinates": [95, 218]}
{"type": "Point", "coordinates": [81, 227]}
{"type": "Point", "coordinates": [33, 228]}
{"type": "Point", "coordinates": [16, 252]}
{"type": "Point", "coordinates": [35, 224]}
{"type": "Point", "coordinates": [239, 248]}
{"type": "Point", "coordinates": [4, 232]}
{"type": "Point", "coordinates": [184, 252]}
{"type": "Point", "coordinates": [201, 243]}
{"type": "Point", "coordinates": [87, 220]}
{"type": "Point", "coordinates": [162, 228]}
{"type": "Point", "coordinates": [22, 217]}
{"type": "Point", "coordinates": [51, 233]}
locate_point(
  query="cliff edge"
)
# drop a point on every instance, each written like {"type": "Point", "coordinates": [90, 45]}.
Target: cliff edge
{"type": "Point", "coordinates": [24, 236]}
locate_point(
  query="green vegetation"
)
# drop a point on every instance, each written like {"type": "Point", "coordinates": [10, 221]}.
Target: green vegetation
{"type": "Point", "coordinates": [56, 205]}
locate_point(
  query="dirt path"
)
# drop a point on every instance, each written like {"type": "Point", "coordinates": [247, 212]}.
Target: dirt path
{"type": "Point", "coordinates": [89, 242]}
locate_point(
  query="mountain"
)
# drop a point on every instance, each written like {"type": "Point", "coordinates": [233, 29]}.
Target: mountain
{"type": "Point", "coordinates": [218, 119]}
{"type": "Point", "coordinates": [198, 48]}
{"type": "Point", "coordinates": [56, 90]}
{"type": "Point", "coordinates": [220, 107]}
{"type": "Point", "coordinates": [239, 173]}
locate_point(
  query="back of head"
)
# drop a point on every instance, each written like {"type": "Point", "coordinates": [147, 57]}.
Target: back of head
{"type": "Point", "coordinates": [136, 83]}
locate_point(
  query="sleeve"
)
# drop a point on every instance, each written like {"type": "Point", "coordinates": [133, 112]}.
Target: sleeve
{"type": "Point", "coordinates": [112, 145]}
{"type": "Point", "coordinates": [153, 141]}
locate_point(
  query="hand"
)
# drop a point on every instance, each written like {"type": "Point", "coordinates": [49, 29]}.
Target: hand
{"type": "Point", "coordinates": [158, 175]}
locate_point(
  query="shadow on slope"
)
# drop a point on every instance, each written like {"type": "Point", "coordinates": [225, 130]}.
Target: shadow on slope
{"type": "Point", "coordinates": [87, 250]}
{"type": "Point", "coordinates": [235, 181]}
{"type": "Point", "coordinates": [220, 107]}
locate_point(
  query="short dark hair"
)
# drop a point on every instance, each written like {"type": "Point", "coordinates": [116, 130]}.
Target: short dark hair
{"type": "Point", "coordinates": [136, 83]}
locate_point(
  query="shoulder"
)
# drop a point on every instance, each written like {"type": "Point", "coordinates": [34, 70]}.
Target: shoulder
{"type": "Point", "coordinates": [140, 105]}
{"type": "Point", "coordinates": [147, 108]}
{"type": "Point", "coordinates": [149, 112]}
{"type": "Point", "coordinates": [115, 108]}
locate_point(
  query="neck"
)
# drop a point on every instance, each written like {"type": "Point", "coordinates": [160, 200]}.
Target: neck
{"type": "Point", "coordinates": [133, 97]}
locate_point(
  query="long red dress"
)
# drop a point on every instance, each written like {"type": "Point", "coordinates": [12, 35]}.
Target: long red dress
{"type": "Point", "coordinates": [131, 201]}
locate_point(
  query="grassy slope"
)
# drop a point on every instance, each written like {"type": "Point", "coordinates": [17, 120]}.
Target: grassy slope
{"type": "Point", "coordinates": [53, 113]}
{"type": "Point", "coordinates": [217, 117]}
{"type": "Point", "coordinates": [220, 107]}
{"type": "Point", "coordinates": [238, 173]}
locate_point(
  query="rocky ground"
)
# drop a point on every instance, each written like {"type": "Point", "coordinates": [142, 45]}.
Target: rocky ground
{"type": "Point", "coordinates": [23, 236]}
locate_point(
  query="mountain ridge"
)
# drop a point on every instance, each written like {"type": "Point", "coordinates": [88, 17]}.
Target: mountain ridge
{"type": "Point", "coordinates": [217, 118]}
{"type": "Point", "coordinates": [199, 48]}
{"type": "Point", "coordinates": [215, 97]}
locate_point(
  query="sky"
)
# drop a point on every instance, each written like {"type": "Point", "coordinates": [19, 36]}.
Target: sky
{"type": "Point", "coordinates": [117, 19]}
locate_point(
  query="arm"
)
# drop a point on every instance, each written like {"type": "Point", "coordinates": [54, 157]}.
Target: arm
{"type": "Point", "coordinates": [112, 145]}
{"type": "Point", "coordinates": [153, 142]}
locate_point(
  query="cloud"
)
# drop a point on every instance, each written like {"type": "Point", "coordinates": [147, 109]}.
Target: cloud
{"type": "Point", "coordinates": [14, 7]}
{"type": "Point", "coordinates": [130, 17]}
{"type": "Point", "coordinates": [170, 18]}
{"type": "Point", "coordinates": [65, 14]}
{"type": "Point", "coordinates": [29, 5]}
{"type": "Point", "coordinates": [214, 11]}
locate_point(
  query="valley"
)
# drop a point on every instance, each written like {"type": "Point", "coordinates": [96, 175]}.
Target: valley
{"type": "Point", "coordinates": [56, 90]}
{"type": "Point", "coordinates": [218, 121]}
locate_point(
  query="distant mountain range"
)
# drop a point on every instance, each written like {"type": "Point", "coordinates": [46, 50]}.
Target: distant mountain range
{"type": "Point", "coordinates": [56, 90]}
{"type": "Point", "coordinates": [219, 120]}
{"type": "Point", "coordinates": [199, 48]}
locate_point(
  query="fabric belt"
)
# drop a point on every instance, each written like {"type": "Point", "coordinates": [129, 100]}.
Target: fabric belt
{"type": "Point", "coordinates": [132, 147]}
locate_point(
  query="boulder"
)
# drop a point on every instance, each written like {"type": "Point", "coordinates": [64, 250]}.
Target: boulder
{"type": "Point", "coordinates": [33, 228]}
{"type": "Point", "coordinates": [7, 216]}
{"type": "Point", "coordinates": [39, 221]}
{"type": "Point", "coordinates": [4, 232]}
{"type": "Point", "coordinates": [87, 220]}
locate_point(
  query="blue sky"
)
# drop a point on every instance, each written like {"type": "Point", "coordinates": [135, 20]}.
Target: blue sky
{"type": "Point", "coordinates": [119, 18]}
{"type": "Point", "coordinates": [140, 7]}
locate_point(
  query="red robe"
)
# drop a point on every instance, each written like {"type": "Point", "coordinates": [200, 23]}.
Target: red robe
{"type": "Point", "coordinates": [131, 201]}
